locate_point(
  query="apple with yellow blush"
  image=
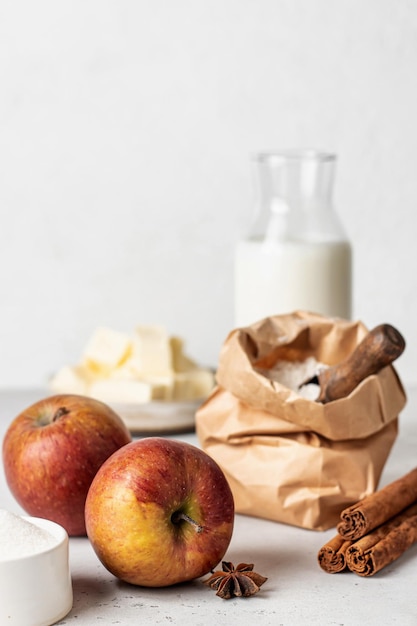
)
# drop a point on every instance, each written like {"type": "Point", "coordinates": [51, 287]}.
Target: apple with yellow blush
{"type": "Point", "coordinates": [159, 512]}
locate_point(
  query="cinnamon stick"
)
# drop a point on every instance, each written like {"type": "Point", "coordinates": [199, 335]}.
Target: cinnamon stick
{"type": "Point", "coordinates": [384, 545]}
{"type": "Point", "coordinates": [379, 507]}
{"type": "Point", "coordinates": [332, 556]}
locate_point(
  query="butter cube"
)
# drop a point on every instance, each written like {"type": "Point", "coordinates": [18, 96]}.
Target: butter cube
{"type": "Point", "coordinates": [194, 385]}
{"type": "Point", "coordinates": [119, 368]}
{"type": "Point", "coordinates": [162, 386]}
{"type": "Point", "coordinates": [126, 371]}
{"type": "Point", "coordinates": [151, 351]}
{"type": "Point", "coordinates": [121, 391]}
{"type": "Point", "coordinates": [106, 350]}
{"type": "Point", "coordinates": [180, 362]}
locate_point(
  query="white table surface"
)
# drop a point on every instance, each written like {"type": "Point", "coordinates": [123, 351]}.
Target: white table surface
{"type": "Point", "coordinates": [297, 592]}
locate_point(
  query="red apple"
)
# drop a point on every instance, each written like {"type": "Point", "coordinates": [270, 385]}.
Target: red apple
{"type": "Point", "coordinates": [52, 451]}
{"type": "Point", "coordinates": [159, 512]}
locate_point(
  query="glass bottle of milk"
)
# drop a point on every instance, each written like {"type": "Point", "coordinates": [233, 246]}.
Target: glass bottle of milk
{"type": "Point", "coordinates": [297, 256]}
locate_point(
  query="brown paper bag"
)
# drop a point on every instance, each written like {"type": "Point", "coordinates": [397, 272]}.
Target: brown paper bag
{"type": "Point", "coordinates": [287, 458]}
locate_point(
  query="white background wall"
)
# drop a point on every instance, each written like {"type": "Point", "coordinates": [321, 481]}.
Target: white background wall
{"type": "Point", "coordinates": [125, 134]}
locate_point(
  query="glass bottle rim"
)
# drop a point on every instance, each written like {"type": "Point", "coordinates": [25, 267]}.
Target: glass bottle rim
{"type": "Point", "coordinates": [295, 154]}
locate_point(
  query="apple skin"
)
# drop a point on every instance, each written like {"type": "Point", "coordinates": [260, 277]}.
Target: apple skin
{"type": "Point", "coordinates": [52, 451]}
{"type": "Point", "coordinates": [130, 507]}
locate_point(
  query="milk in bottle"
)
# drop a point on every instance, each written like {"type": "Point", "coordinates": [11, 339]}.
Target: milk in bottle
{"type": "Point", "coordinates": [297, 256]}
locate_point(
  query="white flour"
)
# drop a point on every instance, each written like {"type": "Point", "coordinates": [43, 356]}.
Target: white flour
{"type": "Point", "coordinates": [293, 374]}
{"type": "Point", "coordinates": [19, 537]}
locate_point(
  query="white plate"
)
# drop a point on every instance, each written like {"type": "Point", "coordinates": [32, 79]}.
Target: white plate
{"type": "Point", "coordinates": [158, 417]}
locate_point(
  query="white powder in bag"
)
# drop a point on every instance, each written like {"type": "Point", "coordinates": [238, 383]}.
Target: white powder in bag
{"type": "Point", "coordinates": [293, 374]}
{"type": "Point", "coordinates": [20, 537]}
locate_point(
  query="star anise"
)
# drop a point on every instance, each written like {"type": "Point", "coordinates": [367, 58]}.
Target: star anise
{"type": "Point", "coordinates": [238, 581]}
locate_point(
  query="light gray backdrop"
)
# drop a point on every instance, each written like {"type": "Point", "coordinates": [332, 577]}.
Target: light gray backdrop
{"type": "Point", "coordinates": [126, 129]}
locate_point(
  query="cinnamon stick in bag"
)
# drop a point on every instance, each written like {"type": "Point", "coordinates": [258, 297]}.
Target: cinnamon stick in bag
{"type": "Point", "coordinates": [384, 545]}
{"type": "Point", "coordinates": [332, 556]}
{"type": "Point", "coordinates": [379, 507]}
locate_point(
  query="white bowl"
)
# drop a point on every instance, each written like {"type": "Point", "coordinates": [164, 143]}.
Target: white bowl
{"type": "Point", "coordinates": [158, 417]}
{"type": "Point", "coordinates": [36, 590]}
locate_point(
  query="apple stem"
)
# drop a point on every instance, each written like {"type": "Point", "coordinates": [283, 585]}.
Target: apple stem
{"type": "Point", "coordinates": [59, 413]}
{"type": "Point", "coordinates": [179, 516]}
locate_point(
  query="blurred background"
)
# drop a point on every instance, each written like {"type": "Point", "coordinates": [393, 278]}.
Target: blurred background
{"type": "Point", "coordinates": [126, 131]}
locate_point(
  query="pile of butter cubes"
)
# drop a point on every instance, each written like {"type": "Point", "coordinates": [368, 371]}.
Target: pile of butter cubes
{"type": "Point", "coordinates": [148, 365]}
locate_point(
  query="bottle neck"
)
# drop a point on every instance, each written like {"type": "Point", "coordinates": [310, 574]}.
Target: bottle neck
{"type": "Point", "coordinates": [303, 179]}
{"type": "Point", "coordinates": [295, 196]}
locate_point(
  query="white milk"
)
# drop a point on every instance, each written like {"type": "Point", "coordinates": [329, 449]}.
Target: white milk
{"type": "Point", "coordinates": [277, 278]}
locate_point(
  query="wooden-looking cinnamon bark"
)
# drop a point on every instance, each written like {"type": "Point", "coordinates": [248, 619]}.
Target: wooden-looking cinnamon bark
{"type": "Point", "coordinates": [379, 507]}
{"type": "Point", "coordinates": [332, 556]}
{"type": "Point", "coordinates": [384, 545]}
